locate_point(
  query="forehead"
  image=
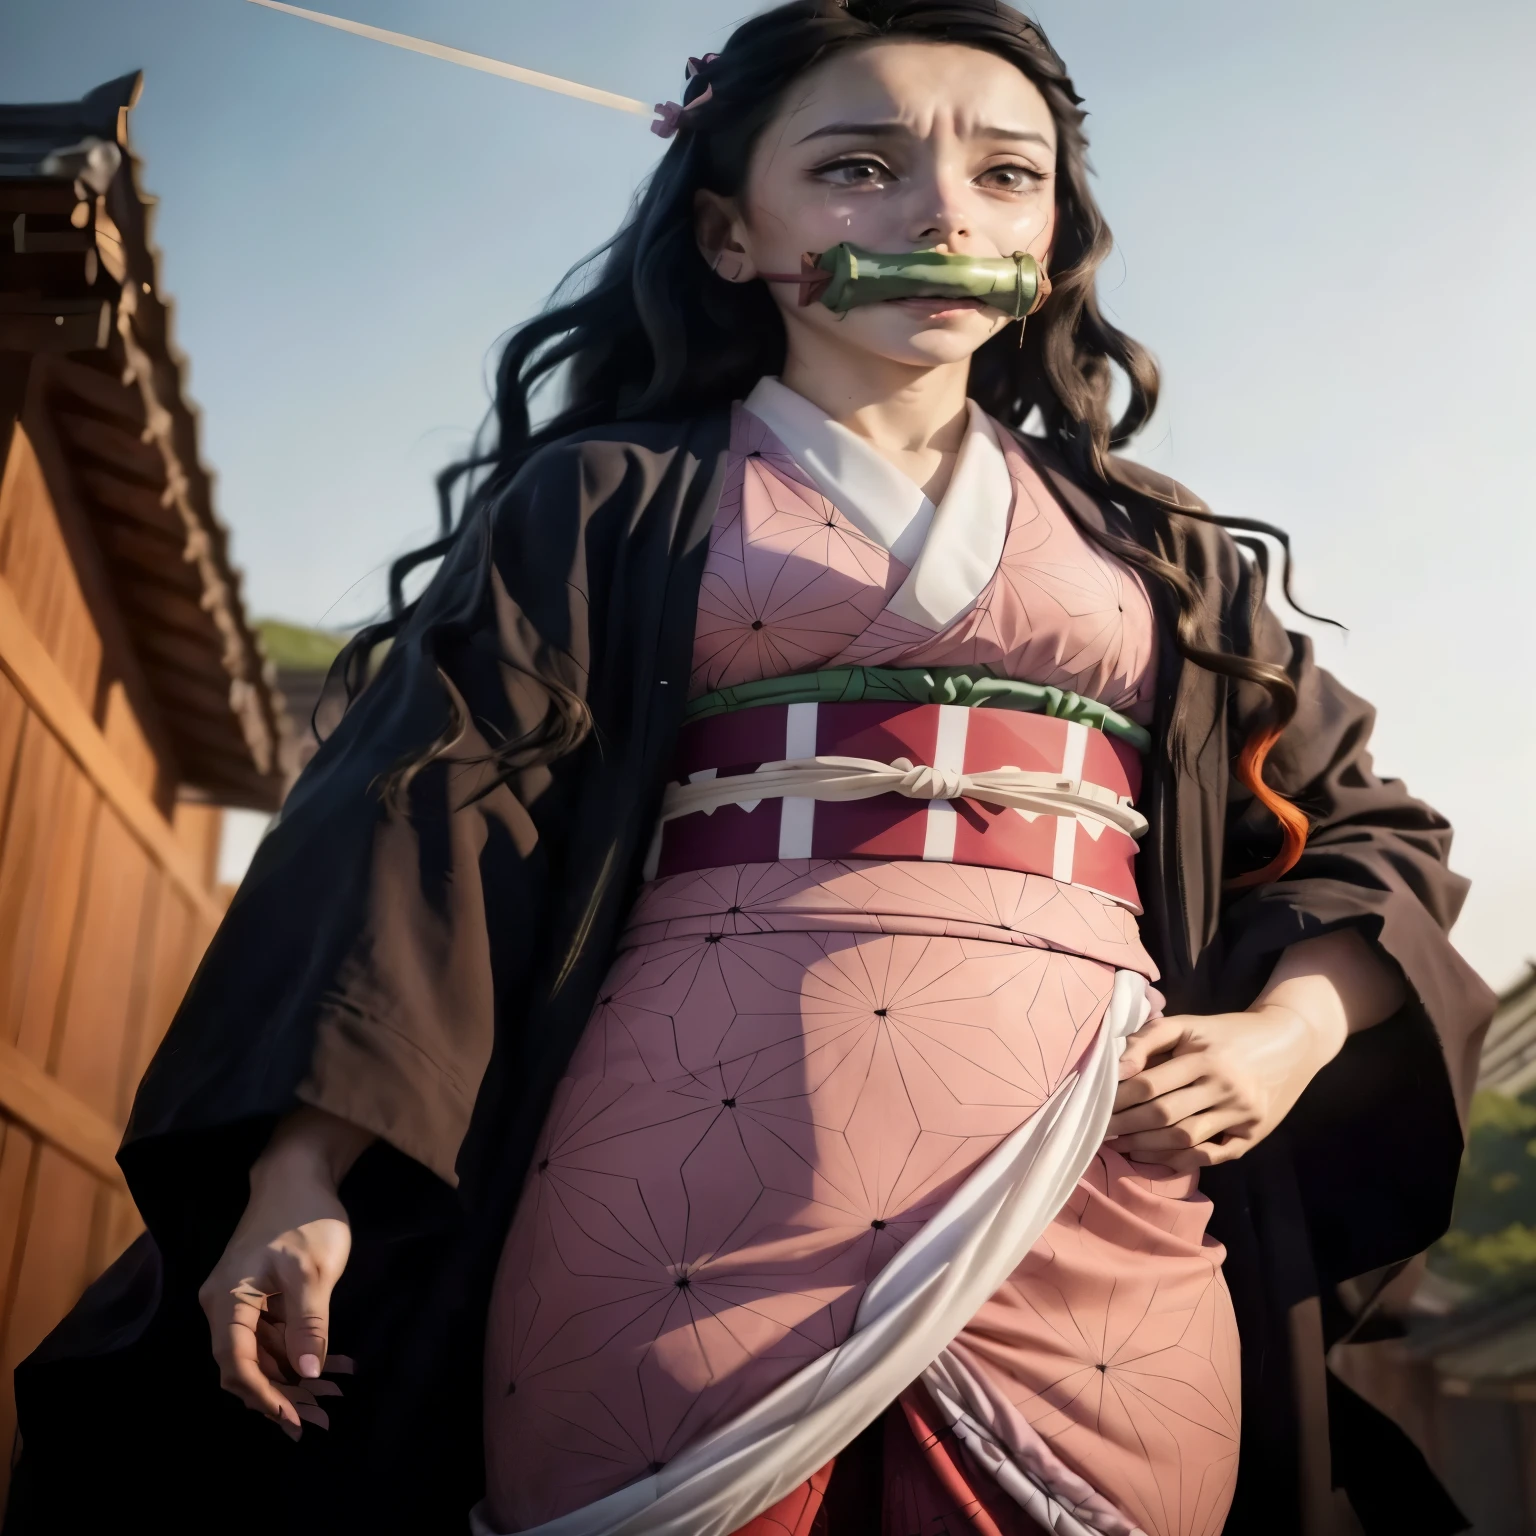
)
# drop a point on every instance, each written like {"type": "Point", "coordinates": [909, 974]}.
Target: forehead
{"type": "Point", "coordinates": [919, 84]}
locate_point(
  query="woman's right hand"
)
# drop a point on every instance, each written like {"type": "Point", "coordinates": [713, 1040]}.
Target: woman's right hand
{"type": "Point", "coordinates": [268, 1300]}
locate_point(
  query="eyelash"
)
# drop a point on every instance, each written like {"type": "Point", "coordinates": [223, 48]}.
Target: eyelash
{"type": "Point", "coordinates": [1030, 177]}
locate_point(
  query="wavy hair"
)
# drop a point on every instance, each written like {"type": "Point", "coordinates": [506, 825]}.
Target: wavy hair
{"type": "Point", "coordinates": [643, 329]}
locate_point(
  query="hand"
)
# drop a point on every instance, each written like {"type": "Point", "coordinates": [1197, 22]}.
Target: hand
{"type": "Point", "coordinates": [268, 1300]}
{"type": "Point", "coordinates": [1201, 1090]}
{"type": "Point", "coordinates": [1196, 1091]}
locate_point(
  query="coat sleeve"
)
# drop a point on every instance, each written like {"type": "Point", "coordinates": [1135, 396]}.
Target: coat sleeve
{"type": "Point", "coordinates": [1376, 858]}
{"type": "Point", "coordinates": [354, 970]}
{"type": "Point", "coordinates": [1377, 1136]}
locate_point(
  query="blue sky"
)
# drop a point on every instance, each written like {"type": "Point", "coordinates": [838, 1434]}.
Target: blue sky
{"type": "Point", "coordinates": [1324, 220]}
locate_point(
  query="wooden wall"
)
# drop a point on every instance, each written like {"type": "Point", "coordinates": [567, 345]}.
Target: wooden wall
{"type": "Point", "coordinates": [106, 902]}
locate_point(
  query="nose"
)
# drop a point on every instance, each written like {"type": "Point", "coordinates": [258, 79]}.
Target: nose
{"type": "Point", "coordinates": [940, 218]}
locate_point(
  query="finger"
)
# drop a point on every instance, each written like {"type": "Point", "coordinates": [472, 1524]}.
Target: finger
{"type": "Point", "coordinates": [1152, 1039]}
{"type": "Point", "coordinates": [233, 1315]}
{"type": "Point", "coordinates": [1165, 1077]}
{"type": "Point", "coordinates": [1165, 1110]}
{"type": "Point", "coordinates": [308, 1391]}
{"type": "Point", "coordinates": [1148, 1146]}
{"type": "Point", "coordinates": [271, 1365]}
{"type": "Point", "coordinates": [1207, 1155]}
{"type": "Point", "coordinates": [308, 1311]}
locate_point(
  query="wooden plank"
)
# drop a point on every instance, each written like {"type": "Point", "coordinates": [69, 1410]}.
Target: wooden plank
{"type": "Point", "coordinates": [120, 501]}
{"type": "Point", "coordinates": [125, 734]}
{"type": "Point", "coordinates": [43, 575]}
{"type": "Point", "coordinates": [98, 390]}
{"type": "Point", "coordinates": [125, 452]}
{"type": "Point", "coordinates": [14, 715]}
{"type": "Point", "coordinates": [200, 828]}
{"type": "Point", "coordinates": [181, 936]}
{"type": "Point", "coordinates": [30, 1097]}
{"type": "Point", "coordinates": [18, 1178]}
{"type": "Point", "coordinates": [99, 1005]}
{"type": "Point", "coordinates": [54, 1261]}
{"type": "Point", "coordinates": [18, 1152]}
{"type": "Point", "coordinates": [42, 860]}
{"type": "Point", "coordinates": [29, 666]}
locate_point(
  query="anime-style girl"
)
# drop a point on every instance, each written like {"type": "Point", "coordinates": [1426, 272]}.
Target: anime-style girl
{"type": "Point", "coordinates": [822, 792]}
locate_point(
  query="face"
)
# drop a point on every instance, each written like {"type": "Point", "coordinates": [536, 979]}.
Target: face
{"type": "Point", "coordinates": [894, 147]}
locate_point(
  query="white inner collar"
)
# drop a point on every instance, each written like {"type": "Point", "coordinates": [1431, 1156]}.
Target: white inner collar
{"type": "Point", "coordinates": [952, 550]}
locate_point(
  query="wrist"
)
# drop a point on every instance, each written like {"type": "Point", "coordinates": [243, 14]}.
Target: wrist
{"type": "Point", "coordinates": [313, 1147]}
{"type": "Point", "coordinates": [1319, 1033]}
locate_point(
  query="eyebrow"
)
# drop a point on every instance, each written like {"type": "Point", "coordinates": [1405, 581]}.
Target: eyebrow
{"type": "Point", "coordinates": [896, 130]}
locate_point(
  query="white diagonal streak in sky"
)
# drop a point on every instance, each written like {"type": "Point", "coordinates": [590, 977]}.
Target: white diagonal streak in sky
{"type": "Point", "coordinates": [467, 60]}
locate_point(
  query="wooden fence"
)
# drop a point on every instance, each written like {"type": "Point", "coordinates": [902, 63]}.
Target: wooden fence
{"type": "Point", "coordinates": [106, 903]}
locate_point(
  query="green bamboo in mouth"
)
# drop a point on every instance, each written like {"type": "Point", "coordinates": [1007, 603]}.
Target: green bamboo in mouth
{"type": "Point", "coordinates": [847, 276]}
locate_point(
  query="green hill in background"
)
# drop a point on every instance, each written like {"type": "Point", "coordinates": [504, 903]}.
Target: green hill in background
{"type": "Point", "coordinates": [293, 648]}
{"type": "Point", "coordinates": [1492, 1240]}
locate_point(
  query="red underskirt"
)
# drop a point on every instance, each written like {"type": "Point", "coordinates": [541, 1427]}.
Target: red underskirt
{"type": "Point", "coordinates": [924, 1486]}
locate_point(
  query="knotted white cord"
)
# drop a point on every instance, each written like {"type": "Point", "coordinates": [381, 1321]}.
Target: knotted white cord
{"type": "Point", "coordinates": [862, 778]}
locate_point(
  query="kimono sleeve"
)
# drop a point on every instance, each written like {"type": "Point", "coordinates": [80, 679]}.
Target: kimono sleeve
{"type": "Point", "coordinates": [355, 970]}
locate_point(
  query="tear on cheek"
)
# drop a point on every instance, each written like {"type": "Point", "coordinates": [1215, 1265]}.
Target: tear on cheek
{"type": "Point", "coordinates": [834, 221]}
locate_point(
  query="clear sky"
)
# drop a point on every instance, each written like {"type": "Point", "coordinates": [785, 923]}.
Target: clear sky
{"type": "Point", "coordinates": [1325, 219]}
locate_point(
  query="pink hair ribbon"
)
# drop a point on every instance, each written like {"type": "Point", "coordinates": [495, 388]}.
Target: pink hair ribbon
{"type": "Point", "coordinates": [669, 114]}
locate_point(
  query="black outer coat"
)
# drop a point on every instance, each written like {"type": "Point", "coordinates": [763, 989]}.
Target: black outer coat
{"type": "Point", "coordinates": [427, 975]}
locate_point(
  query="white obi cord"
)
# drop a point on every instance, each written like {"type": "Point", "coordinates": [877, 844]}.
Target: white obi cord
{"type": "Point", "coordinates": [863, 778]}
{"type": "Point", "coordinates": [911, 1313]}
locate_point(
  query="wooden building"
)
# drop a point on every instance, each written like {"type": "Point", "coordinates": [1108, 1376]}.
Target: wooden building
{"type": "Point", "coordinates": [135, 702]}
{"type": "Point", "coordinates": [1509, 1056]}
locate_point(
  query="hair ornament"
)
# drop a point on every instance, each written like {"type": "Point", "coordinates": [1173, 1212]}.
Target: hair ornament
{"type": "Point", "coordinates": [669, 114]}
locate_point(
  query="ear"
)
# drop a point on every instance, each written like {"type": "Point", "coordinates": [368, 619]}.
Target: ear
{"type": "Point", "coordinates": [717, 228]}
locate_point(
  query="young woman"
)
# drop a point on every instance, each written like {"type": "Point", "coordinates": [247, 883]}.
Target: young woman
{"type": "Point", "coordinates": [822, 794]}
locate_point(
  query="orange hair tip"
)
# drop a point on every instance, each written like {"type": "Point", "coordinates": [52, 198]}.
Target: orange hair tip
{"type": "Point", "coordinates": [1293, 821]}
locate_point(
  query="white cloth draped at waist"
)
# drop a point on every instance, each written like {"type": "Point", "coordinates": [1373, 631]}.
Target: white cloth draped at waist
{"type": "Point", "coordinates": [861, 778]}
{"type": "Point", "coordinates": [909, 1315]}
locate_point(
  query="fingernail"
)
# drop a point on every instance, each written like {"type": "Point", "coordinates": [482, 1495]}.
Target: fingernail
{"type": "Point", "coordinates": [309, 1365]}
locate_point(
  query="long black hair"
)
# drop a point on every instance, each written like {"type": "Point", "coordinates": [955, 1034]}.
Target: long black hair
{"type": "Point", "coordinates": [643, 329]}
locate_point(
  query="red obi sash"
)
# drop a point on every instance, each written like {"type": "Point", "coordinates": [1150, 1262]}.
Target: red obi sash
{"type": "Point", "coordinates": [1074, 849]}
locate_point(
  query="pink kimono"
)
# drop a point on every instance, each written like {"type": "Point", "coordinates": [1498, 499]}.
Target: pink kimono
{"type": "Point", "coordinates": [796, 1062]}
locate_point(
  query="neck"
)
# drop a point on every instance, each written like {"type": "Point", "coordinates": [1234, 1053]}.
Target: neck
{"type": "Point", "coordinates": [915, 417]}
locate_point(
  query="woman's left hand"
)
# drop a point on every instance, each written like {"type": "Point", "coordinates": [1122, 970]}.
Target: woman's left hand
{"type": "Point", "coordinates": [1201, 1090]}
{"type": "Point", "coordinates": [1196, 1090]}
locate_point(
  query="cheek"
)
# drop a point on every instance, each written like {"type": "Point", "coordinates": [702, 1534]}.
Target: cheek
{"type": "Point", "coordinates": [1030, 227]}
{"type": "Point", "coordinates": [1048, 233]}
{"type": "Point", "coordinates": [786, 221]}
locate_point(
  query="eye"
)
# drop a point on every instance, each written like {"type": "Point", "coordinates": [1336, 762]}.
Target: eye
{"type": "Point", "coordinates": [855, 171]}
{"type": "Point", "coordinates": [1011, 178]}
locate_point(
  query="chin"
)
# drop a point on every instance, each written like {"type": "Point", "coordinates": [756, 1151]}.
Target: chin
{"type": "Point", "coordinates": [929, 342]}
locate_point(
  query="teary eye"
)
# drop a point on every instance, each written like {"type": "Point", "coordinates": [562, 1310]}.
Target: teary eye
{"type": "Point", "coordinates": [855, 171]}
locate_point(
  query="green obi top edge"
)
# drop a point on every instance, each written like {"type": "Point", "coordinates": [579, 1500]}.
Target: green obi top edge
{"type": "Point", "coordinates": [973, 687]}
